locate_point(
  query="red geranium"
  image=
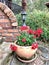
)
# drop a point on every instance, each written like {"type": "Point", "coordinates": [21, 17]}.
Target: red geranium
{"type": "Point", "coordinates": [13, 47]}
{"type": "Point", "coordinates": [28, 37]}
{"type": "Point", "coordinates": [34, 45]}
{"type": "Point", "coordinates": [30, 31]}
{"type": "Point", "coordinates": [38, 32]}
{"type": "Point", "coordinates": [23, 40]}
{"type": "Point", "coordinates": [23, 28]}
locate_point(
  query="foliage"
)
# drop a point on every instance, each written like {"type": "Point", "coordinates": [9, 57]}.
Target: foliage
{"type": "Point", "coordinates": [25, 39]}
{"type": "Point", "coordinates": [28, 37]}
{"type": "Point", "coordinates": [45, 35]}
{"type": "Point", "coordinates": [37, 19]}
{"type": "Point", "coordinates": [40, 4]}
{"type": "Point", "coordinates": [34, 4]}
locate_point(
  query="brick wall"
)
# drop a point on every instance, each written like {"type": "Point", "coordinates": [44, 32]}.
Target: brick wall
{"type": "Point", "coordinates": [8, 24]}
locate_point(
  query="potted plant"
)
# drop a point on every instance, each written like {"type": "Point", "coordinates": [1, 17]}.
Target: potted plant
{"type": "Point", "coordinates": [26, 44]}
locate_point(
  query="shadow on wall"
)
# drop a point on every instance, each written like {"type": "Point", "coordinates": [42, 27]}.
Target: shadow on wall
{"type": "Point", "coordinates": [14, 7]}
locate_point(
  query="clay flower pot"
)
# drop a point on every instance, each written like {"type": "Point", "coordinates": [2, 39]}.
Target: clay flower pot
{"type": "Point", "coordinates": [25, 52]}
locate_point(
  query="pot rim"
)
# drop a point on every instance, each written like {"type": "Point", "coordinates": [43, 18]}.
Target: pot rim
{"type": "Point", "coordinates": [27, 61]}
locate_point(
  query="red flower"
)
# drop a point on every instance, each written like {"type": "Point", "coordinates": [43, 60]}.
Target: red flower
{"type": "Point", "coordinates": [13, 47]}
{"type": "Point", "coordinates": [31, 31]}
{"type": "Point", "coordinates": [34, 45]}
{"type": "Point", "coordinates": [23, 40]}
{"type": "Point", "coordinates": [23, 28]}
{"type": "Point", "coordinates": [39, 32]}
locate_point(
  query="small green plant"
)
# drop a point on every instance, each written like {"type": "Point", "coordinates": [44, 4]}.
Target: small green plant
{"type": "Point", "coordinates": [29, 37]}
{"type": "Point", "coordinates": [25, 39]}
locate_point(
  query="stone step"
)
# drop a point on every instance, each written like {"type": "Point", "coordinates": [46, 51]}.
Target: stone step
{"type": "Point", "coordinates": [5, 52]}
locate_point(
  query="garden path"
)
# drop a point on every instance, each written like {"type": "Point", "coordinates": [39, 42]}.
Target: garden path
{"type": "Point", "coordinates": [7, 59]}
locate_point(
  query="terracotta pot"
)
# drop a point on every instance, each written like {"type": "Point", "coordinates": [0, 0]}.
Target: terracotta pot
{"type": "Point", "coordinates": [25, 51]}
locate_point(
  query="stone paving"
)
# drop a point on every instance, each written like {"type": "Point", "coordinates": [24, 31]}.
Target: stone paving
{"type": "Point", "coordinates": [4, 51]}
{"type": "Point", "coordinates": [15, 61]}
{"type": "Point", "coordinates": [5, 57]}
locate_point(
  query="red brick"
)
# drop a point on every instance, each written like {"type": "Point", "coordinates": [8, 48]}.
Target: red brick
{"type": "Point", "coordinates": [3, 17]}
{"type": "Point", "coordinates": [7, 34]}
{"type": "Point", "coordinates": [5, 25]}
{"type": "Point", "coordinates": [1, 31]}
{"type": "Point", "coordinates": [16, 34]}
{"type": "Point", "coordinates": [1, 27]}
{"type": "Point", "coordinates": [13, 30]}
{"type": "Point", "coordinates": [1, 13]}
{"type": "Point", "coordinates": [10, 39]}
{"type": "Point", "coordinates": [4, 20]}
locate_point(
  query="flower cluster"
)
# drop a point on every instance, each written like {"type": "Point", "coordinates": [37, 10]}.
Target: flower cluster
{"type": "Point", "coordinates": [13, 47]}
{"type": "Point", "coordinates": [23, 28]}
{"type": "Point", "coordinates": [29, 37]}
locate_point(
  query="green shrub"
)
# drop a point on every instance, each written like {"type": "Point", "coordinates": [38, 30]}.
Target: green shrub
{"type": "Point", "coordinates": [40, 4]}
{"type": "Point", "coordinates": [37, 19]}
{"type": "Point", "coordinates": [45, 35]}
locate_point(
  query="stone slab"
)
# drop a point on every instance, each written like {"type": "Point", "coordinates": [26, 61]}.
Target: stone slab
{"type": "Point", "coordinates": [5, 52]}
{"type": "Point", "coordinates": [15, 61]}
{"type": "Point", "coordinates": [4, 59]}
